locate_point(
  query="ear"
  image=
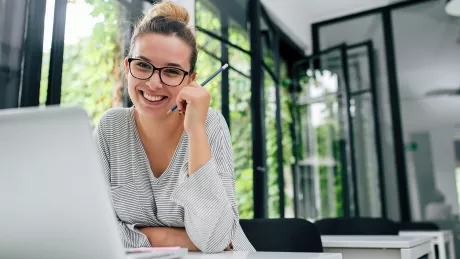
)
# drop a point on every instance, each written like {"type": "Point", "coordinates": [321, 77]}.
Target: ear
{"type": "Point", "coordinates": [192, 77]}
{"type": "Point", "coordinates": [126, 67]}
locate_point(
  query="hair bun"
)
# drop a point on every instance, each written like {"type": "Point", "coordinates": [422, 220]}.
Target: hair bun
{"type": "Point", "coordinates": [169, 10]}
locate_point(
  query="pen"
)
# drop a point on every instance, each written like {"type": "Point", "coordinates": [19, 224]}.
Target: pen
{"type": "Point", "coordinates": [205, 82]}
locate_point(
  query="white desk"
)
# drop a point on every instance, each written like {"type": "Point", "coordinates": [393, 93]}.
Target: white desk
{"type": "Point", "coordinates": [262, 255]}
{"type": "Point", "coordinates": [440, 239]}
{"type": "Point", "coordinates": [379, 247]}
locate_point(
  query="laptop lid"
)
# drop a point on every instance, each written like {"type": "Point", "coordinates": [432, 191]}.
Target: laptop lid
{"type": "Point", "coordinates": [54, 202]}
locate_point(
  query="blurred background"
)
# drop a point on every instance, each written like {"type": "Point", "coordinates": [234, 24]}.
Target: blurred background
{"type": "Point", "coordinates": [336, 108]}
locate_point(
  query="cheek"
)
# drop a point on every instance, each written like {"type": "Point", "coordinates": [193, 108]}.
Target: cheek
{"type": "Point", "coordinates": [132, 82]}
{"type": "Point", "coordinates": [175, 91]}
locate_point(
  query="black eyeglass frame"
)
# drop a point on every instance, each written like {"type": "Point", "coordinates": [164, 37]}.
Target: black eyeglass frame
{"type": "Point", "coordinates": [155, 69]}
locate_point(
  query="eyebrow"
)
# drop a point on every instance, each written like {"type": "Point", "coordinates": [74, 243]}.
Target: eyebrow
{"type": "Point", "coordinates": [174, 65]}
{"type": "Point", "coordinates": [168, 65]}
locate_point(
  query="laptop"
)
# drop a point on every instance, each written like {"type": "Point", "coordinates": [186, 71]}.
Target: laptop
{"type": "Point", "coordinates": [54, 201]}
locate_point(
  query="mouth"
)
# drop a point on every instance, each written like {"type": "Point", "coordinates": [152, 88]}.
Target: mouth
{"type": "Point", "coordinates": [153, 99]}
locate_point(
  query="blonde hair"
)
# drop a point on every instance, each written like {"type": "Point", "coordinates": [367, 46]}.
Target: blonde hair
{"type": "Point", "coordinates": [167, 18]}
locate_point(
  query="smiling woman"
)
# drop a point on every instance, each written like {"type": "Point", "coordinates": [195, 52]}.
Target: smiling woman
{"type": "Point", "coordinates": [171, 175]}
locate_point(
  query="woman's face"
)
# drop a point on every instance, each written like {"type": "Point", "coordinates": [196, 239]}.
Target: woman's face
{"type": "Point", "coordinates": [152, 96]}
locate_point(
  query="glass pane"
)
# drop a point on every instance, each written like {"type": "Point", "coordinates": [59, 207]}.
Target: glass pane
{"type": "Point", "coordinates": [358, 69]}
{"type": "Point", "coordinates": [288, 157]}
{"type": "Point", "coordinates": [428, 66]}
{"type": "Point", "coordinates": [240, 61]}
{"type": "Point", "coordinates": [267, 45]}
{"type": "Point", "coordinates": [366, 156]}
{"type": "Point", "coordinates": [93, 56]}
{"type": "Point", "coordinates": [272, 147]}
{"type": "Point", "coordinates": [241, 132]}
{"type": "Point", "coordinates": [362, 112]}
{"type": "Point", "coordinates": [207, 16]}
{"type": "Point", "coordinates": [206, 66]}
{"type": "Point", "coordinates": [47, 39]}
{"type": "Point", "coordinates": [12, 20]}
{"type": "Point", "coordinates": [238, 35]}
{"type": "Point", "coordinates": [209, 50]}
{"type": "Point", "coordinates": [358, 30]}
{"type": "Point", "coordinates": [209, 45]}
{"type": "Point", "coordinates": [321, 159]}
{"type": "Point", "coordinates": [230, 15]}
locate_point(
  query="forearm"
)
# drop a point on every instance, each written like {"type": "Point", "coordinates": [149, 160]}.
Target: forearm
{"type": "Point", "coordinates": [200, 151]}
{"type": "Point", "coordinates": [167, 237]}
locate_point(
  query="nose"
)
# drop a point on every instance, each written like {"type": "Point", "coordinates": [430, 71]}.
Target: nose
{"type": "Point", "coordinates": [154, 82]}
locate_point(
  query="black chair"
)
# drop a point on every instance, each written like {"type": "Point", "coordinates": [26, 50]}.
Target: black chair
{"type": "Point", "coordinates": [282, 235]}
{"type": "Point", "coordinates": [357, 226]}
{"type": "Point", "coordinates": [418, 226]}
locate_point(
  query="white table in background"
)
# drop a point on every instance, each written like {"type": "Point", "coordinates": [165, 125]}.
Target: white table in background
{"type": "Point", "coordinates": [262, 255]}
{"type": "Point", "coordinates": [379, 247]}
{"type": "Point", "coordinates": [440, 238]}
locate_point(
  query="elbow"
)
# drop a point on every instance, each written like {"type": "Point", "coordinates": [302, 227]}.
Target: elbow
{"type": "Point", "coordinates": [213, 248]}
{"type": "Point", "coordinates": [217, 243]}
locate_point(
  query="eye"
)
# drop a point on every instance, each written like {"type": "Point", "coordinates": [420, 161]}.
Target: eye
{"type": "Point", "coordinates": [142, 64]}
{"type": "Point", "coordinates": [173, 71]}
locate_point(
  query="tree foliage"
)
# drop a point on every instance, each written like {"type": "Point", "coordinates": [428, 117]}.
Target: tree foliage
{"type": "Point", "coordinates": [92, 67]}
{"type": "Point", "coordinates": [240, 110]}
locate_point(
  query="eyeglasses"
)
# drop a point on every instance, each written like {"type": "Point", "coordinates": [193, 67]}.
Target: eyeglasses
{"type": "Point", "coordinates": [143, 70]}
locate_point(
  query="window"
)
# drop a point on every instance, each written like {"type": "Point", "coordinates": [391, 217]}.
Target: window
{"type": "Point", "coordinates": [210, 55]}
{"type": "Point", "coordinates": [92, 73]}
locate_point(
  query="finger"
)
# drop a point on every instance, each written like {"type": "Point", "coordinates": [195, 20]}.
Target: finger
{"type": "Point", "coordinates": [183, 98]}
{"type": "Point", "coordinates": [187, 94]}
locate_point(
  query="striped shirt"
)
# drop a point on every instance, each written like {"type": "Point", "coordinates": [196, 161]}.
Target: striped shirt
{"type": "Point", "coordinates": [203, 203]}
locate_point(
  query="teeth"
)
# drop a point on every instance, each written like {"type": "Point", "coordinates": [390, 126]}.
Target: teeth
{"type": "Point", "coordinates": [152, 97]}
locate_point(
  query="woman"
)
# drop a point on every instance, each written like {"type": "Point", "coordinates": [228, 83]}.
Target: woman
{"type": "Point", "coordinates": [171, 175]}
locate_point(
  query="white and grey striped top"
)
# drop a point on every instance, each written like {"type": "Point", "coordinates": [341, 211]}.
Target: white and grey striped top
{"type": "Point", "coordinates": [203, 203]}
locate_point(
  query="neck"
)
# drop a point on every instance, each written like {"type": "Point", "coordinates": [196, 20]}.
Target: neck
{"type": "Point", "coordinates": [159, 129]}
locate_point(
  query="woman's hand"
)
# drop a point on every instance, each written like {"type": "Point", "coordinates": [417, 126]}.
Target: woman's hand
{"type": "Point", "coordinates": [193, 100]}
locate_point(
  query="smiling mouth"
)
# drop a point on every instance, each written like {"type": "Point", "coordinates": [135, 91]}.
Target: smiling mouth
{"type": "Point", "coordinates": [153, 98]}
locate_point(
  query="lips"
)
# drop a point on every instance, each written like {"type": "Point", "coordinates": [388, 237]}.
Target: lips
{"type": "Point", "coordinates": [153, 98]}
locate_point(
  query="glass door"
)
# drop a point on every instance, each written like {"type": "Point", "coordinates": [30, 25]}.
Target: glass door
{"type": "Point", "coordinates": [325, 157]}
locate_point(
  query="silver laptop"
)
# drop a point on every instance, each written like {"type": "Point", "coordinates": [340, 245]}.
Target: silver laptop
{"type": "Point", "coordinates": [54, 202]}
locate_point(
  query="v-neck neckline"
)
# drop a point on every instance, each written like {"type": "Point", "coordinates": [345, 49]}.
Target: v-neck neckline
{"type": "Point", "coordinates": [144, 154]}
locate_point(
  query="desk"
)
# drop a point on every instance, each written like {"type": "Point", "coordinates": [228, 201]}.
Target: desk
{"type": "Point", "coordinates": [262, 255]}
{"type": "Point", "coordinates": [440, 238]}
{"type": "Point", "coordinates": [379, 247]}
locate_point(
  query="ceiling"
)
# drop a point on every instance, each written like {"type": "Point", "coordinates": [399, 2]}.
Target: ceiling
{"type": "Point", "coordinates": [296, 16]}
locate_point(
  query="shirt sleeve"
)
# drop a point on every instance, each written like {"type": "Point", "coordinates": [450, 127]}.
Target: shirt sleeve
{"type": "Point", "coordinates": [208, 196]}
{"type": "Point", "coordinates": [131, 237]}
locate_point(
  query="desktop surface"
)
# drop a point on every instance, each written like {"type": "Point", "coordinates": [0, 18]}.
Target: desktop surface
{"type": "Point", "coordinates": [262, 255]}
{"type": "Point", "coordinates": [431, 233]}
{"type": "Point", "coordinates": [373, 241]}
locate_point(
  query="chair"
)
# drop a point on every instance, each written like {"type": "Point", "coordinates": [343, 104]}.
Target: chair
{"type": "Point", "coordinates": [418, 226]}
{"type": "Point", "coordinates": [282, 235]}
{"type": "Point", "coordinates": [357, 226]}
